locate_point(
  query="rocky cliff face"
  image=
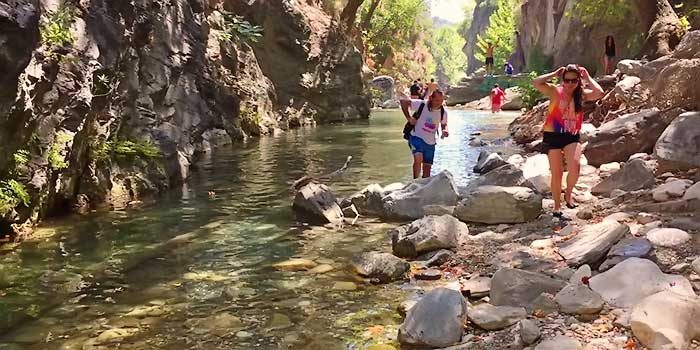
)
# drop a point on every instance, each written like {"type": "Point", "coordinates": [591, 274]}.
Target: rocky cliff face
{"type": "Point", "coordinates": [482, 12]}
{"type": "Point", "coordinates": [547, 29]}
{"type": "Point", "coordinates": [118, 98]}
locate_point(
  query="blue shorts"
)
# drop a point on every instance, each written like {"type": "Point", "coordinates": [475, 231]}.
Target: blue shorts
{"type": "Point", "coordinates": [419, 146]}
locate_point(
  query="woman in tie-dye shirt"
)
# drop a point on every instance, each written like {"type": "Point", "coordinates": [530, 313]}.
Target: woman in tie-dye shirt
{"type": "Point", "coordinates": [562, 125]}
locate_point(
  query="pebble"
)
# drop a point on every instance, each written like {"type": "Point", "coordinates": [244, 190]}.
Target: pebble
{"type": "Point", "coordinates": [243, 334]}
{"type": "Point", "coordinates": [429, 274]}
{"type": "Point", "coordinates": [585, 214]}
{"type": "Point", "coordinates": [344, 286]}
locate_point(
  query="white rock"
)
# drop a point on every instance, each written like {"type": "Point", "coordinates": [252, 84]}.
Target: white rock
{"type": "Point", "coordinates": [516, 160]}
{"type": "Point", "coordinates": [536, 170]}
{"type": "Point", "coordinates": [648, 227]}
{"type": "Point", "coordinates": [634, 279]}
{"type": "Point", "coordinates": [693, 192]}
{"type": "Point", "coordinates": [542, 243]}
{"type": "Point", "coordinates": [642, 156]}
{"type": "Point", "coordinates": [591, 244]}
{"type": "Point", "coordinates": [619, 217]}
{"type": "Point", "coordinates": [559, 343]}
{"type": "Point", "coordinates": [583, 271]}
{"type": "Point", "coordinates": [671, 190]}
{"type": "Point", "coordinates": [667, 321]}
{"type": "Point", "coordinates": [667, 237]}
{"type": "Point", "coordinates": [609, 168]}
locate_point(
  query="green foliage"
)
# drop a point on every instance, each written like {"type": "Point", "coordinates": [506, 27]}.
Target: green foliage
{"type": "Point", "coordinates": [537, 61]}
{"type": "Point", "coordinates": [446, 47]}
{"type": "Point", "coordinates": [126, 149]}
{"type": "Point", "coordinates": [397, 29]}
{"type": "Point", "coordinates": [235, 26]}
{"type": "Point", "coordinates": [21, 157]}
{"type": "Point", "coordinates": [500, 32]}
{"type": "Point", "coordinates": [685, 24]}
{"type": "Point", "coordinates": [55, 28]}
{"type": "Point", "coordinates": [12, 194]}
{"type": "Point", "coordinates": [593, 12]}
{"type": "Point", "coordinates": [55, 158]}
{"type": "Point", "coordinates": [530, 95]}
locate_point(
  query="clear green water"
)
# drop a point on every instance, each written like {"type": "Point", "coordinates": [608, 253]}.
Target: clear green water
{"type": "Point", "coordinates": [81, 276]}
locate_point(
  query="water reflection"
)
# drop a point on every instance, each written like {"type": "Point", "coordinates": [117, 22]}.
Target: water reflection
{"type": "Point", "coordinates": [123, 277]}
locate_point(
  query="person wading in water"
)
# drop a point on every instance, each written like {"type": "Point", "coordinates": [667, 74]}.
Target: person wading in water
{"type": "Point", "coordinates": [562, 125]}
{"type": "Point", "coordinates": [422, 127]}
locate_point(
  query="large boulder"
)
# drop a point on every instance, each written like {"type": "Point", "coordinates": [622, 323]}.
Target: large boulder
{"type": "Point", "coordinates": [667, 321]}
{"type": "Point", "coordinates": [689, 47]}
{"type": "Point", "coordinates": [671, 190]}
{"type": "Point", "coordinates": [617, 140]}
{"type": "Point", "coordinates": [635, 175]}
{"type": "Point", "coordinates": [316, 203]}
{"type": "Point", "coordinates": [528, 127]}
{"type": "Point", "coordinates": [436, 321]}
{"type": "Point", "coordinates": [630, 67]}
{"type": "Point", "coordinates": [499, 205]}
{"type": "Point", "coordinates": [536, 170]}
{"type": "Point", "coordinates": [408, 202]}
{"type": "Point", "coordinates": [382, 266]}
{"type": "Point", "coordinates": [507, 175]}
{"type": "Point", "coordinates": [679, 145]}
{"type": "Point", "coordinates": [487, 162]}
{"type": "Point", "coordinates": [427, 234]}
{"type": "Point", "coordinates": [514, 287]}
{"type": "Point", "coordinates": [493, 318]}
{"type": "Point", "coordinates": [591, 244]}
{"type": "Point", "coordinates": [385, 84]}
{"type": "Point", "coordinates": [630, 91]}
{"type": "Point", "coordinates": [634, 279]}
{"type": "Point", "coordinates": [625, 249]}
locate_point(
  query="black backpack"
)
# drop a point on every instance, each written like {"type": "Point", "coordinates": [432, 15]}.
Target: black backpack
{"type": "Point", "coordinates": [408, 127]}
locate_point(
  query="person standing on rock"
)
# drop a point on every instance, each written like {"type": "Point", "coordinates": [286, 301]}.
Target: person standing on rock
{"type": "Point", "coordinates": [609, 57]}
{"type": "Point", "coordinates": [563, 123]}
{"type": "Point", "coordinates": [428, 114]}
{"type": "Point", "coordinates": [489, 58]}
{"type": "Point", "coordinates": [497, 96]}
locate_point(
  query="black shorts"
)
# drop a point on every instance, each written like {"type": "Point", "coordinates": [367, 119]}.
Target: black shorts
{"type": "Point", "coordinates": [558, 140]}
{"type": "Point", "coordinates": [489, 60]}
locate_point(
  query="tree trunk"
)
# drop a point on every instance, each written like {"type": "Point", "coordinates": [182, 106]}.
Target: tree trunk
{"type": "Point", "coordinates": [665, 31]}
{"type": "Point", "coordinates": [367, 21]}
{"type": "Point", "coordinates": [347, 17]}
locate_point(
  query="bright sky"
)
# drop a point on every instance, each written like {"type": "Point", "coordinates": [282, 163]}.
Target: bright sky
{"type": "Point", "coordinates": [451, 10]}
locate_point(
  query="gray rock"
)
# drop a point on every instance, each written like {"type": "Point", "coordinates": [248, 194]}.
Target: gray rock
{"type": "Point", "coordinates": [667, 320]}
{"type": "Point", "coordinates": [635, 175]}
{"type": "Point", "coordinates": [383, 266]}
{"type": "Point", "coordinates": [591, 244]}
{"type": "Point", "coordinates": [316, 203]}
{"type": "Point", "coordinates": [688, 47]}
{"type": "Point", "coordinates": [559, 343]}
{"type": "Point", "coordinates": [678, 146]}
{"type": "Point", "coordinates": [617, 140]}
{"type": "Point", "coordinates": [438, 210]}
{"type": "Point", "coordinates": [634, 279]}
{"type": "Point", "coordinates": [500, 205]}
{"type": "Point", "coordinates": [686, 223]}
{"type": "Point", "coordinates": [544, 303]}
{"type": "Point", "coordinates": [578, 299]}
{"type": "Point", "coordinates": [435, 321]}
{"type": "Point", "coordinates": [583, 271]}
{"type": "Point", "coordinates": [628, 248]}
{"type": "Point", "coordinates": [671, 190]}
{"type": "Point", "coordinates": [429, 274]}
{"type": "Point", "coordinates": [630, 67]}
{"type": "Point", "coordinates": [667, 237]}
{"type": "Point", "coordinates": [513, 287]}
{"type": "Point", "coordinates": [427, 234]}
{"type": "Point", "coordinates": [408, 202]}
{"type": "Point", "coordinates": [529, 331]}
{"type": "Point", "coordinates": [369, 200]}
{"type": "Point", "coordinates": [585, 214]}
{"type": "Point", "coordinates": [536, 170]}
{"type": "Point", "coordinates": [493, 318]}
{"type": "Point", "coordinates": [385, 84]}
{"type": "Point", "coordinates": [695, 265]}
{"type": "Point", "coordinates": [507, 175]}
{"type": "Point", "coordinates": [487, 162]}
{"type": "Point", "coordinates": [478, 286]}
{"type": "Point", "coordinates": [435, 258]}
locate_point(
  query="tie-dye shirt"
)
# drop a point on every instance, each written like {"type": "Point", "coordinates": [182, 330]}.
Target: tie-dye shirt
{"type": "Point", "coordinates": [428, 121]}
{"type": "Point", "coordinates": [562, 117]}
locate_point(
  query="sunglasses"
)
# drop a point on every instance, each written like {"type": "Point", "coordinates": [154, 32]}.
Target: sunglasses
{"type": "Point", "coordinates": [570, 81]}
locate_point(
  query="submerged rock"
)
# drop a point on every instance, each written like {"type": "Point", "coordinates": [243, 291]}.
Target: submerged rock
{"type": "Point", "coordinates": [435, 321]}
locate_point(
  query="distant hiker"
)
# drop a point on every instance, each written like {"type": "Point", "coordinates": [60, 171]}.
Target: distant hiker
{"type": "Point", "coordinates": [489, 58]}
{"type": "Point", "coordinates": [414, 90]}
{"type": "Point", "coordinates": [432, 86]}
{"type": "Point", "coordinates": [508, 68]}
{"type": "Point", "coordinates": [609, 57]}
{"type": "Point", "coordinates": [496, 98]}
{"type": "Point", "coordinates": [421, 128]}
{"type": "Point", "coordinates": [562, 125]}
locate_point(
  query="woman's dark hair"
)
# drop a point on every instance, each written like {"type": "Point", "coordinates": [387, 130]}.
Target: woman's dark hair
{"type": "Point", "coordinates": [578, 93]}
{"type": "Point", "coordinates": [610, 43]}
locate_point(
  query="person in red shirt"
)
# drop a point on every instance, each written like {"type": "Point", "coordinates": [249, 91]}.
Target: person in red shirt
{"type": "Point", "coordinates": [497, 96]}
